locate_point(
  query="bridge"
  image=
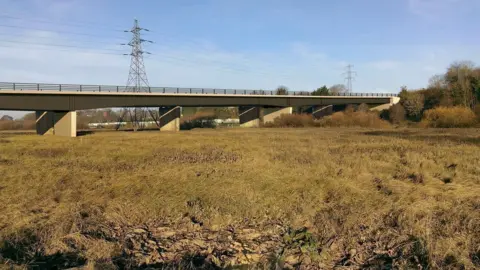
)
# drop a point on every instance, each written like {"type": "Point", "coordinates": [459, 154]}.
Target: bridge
{"type": "Point", "coordinates": [56, 104]}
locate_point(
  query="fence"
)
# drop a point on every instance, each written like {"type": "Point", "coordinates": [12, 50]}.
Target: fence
{"type": "Point", "coordinates": [168, 90]}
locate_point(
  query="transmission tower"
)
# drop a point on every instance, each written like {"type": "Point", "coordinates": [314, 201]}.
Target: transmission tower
{"type": "Point", "coordinates": [137, 79]}
{"type": "Point", "coordinates": [350, 77]}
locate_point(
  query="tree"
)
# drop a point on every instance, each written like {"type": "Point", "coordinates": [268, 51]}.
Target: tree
{"type": "Point", "coordinates": [396, 114]}
{"type": "Point", "coordinates": [6, 118]}
{"type": "Point", "coordinates": [281, 90]}
{"type": "Point", "coordinates": [437, 82]}
{"type": "Point", "coordinates": [412, 102]}
{"type": "Point", "coordinates": [462, 83]}
{"type": "Point", "coordinates": [29, 116]}
{"type": "Point", "coordinates": [322, 91]}
{"type": "Point", "coordinates": [338, 89]}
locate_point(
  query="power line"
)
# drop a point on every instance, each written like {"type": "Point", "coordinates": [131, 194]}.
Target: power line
{"type": "Point", "coordinates": [50, 38]}
{"type": "Point", "coordinates": [97, 25]}
{"type": "Point", "coordinates": [58, 32]}
{"type": "Point", "coordinates": [70, 21]}
{"type": "Point", "coordinates": [57, 45]}
{"type": "Point", "coordinates": [59, 50]}
{"type": "Point", "coordinates": [350, 77]}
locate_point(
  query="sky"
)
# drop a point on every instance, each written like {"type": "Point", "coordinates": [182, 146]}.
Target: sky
{"type": "Point", "coordinates": [242, 44]}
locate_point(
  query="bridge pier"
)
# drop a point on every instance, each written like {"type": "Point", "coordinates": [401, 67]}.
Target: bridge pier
{"type": "Point", "coordinates": [170, 118]}
{"type": "Point", "coordinates": [269, 114]}
{"type": "Point", "coordinates": [57, 123]}
{"type": "Point", "coordinates": [249, 116]}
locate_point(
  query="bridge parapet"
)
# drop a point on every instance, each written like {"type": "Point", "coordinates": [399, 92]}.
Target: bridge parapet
{"type": "Point", "coordinates": [167, 90]}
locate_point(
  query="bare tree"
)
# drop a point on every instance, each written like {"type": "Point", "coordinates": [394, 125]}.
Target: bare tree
{"type": "Point", "coordinates": [338, 89]}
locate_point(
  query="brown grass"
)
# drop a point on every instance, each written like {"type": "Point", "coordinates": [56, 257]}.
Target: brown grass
{"type": "Point", "coordinates": [354, 119]}
{"type": "Point", "coordinates": [292, 120]}
{"type": "Point", "coordinates": [358, 197]}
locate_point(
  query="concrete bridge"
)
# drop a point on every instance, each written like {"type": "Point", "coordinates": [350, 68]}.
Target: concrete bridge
{"type": "Point", "coordinates": [56, 108]}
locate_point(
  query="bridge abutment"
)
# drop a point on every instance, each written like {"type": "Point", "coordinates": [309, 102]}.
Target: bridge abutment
{"type": "Point", "coordinates": [56, 123]}
{"type": "Point", "coordinates": [393, 101]}
{"type": "Point", "coordinates": [170, 118]}
{"type": "Point", "coordinates": [269, 114]}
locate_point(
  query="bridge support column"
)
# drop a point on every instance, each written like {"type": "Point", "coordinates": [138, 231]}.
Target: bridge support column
{"type": "Point", "coordinates": [269, 114]}
{"type": "Point", "coordinates": [170, 118]}
{"type": "Point", "coordinates": [321, 111]}
{"type": "Point", "coordinates": [249, 116]}
{"type": "Point", "coordinates": [56, 123]}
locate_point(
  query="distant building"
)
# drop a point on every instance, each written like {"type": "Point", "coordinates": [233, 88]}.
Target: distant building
{"type": "Point", "coordinates": [6, 118]}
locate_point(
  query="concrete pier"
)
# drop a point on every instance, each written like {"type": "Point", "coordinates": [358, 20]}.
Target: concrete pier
{"type": "Point", "coordinates": [56, 123]}
{"type": "Point", "coordinates": [170, 118]}
{"type": "Point", "coordinates": [249, 116]}
{"type": "Point", "coordinates": [269, 114]}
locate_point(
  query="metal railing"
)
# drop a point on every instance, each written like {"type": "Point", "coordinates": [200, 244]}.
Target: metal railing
{"type": "Point", "coordinates": [168, 90]}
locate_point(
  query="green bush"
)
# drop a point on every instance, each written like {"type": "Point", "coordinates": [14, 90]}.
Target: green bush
{"type": "Point", "coordinates": [449, 117]}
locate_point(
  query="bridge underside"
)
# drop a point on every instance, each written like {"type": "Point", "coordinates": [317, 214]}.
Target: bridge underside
{"type": "Point", "coordinates": [56, 112]}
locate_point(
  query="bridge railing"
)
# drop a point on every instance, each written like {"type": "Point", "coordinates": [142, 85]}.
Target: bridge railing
{"type": "Point", "coordinates": [168, 90]}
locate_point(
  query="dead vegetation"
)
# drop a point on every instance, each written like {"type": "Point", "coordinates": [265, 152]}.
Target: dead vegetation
{"type": "Point", "coordinates": [263, 198]}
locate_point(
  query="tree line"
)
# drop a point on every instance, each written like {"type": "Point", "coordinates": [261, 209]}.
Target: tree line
{"type": "Point", "coordinates": [458, 87]}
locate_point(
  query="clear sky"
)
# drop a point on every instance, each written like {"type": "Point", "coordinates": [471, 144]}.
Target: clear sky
{"type": "Point", "coordinates": [253, 44]}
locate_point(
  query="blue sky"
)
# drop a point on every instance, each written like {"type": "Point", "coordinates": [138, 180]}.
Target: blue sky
{"type": "Point", "coordinates": [251, 44]}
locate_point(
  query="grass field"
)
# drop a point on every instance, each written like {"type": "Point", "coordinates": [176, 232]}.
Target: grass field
{"type": "Point", "coordinates": [312, 198]}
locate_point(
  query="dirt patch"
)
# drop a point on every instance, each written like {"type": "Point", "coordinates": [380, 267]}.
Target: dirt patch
{"type": "Point", "coordinates": [204, 155]}
{"type": "Point", "coordinates": [48, 152]}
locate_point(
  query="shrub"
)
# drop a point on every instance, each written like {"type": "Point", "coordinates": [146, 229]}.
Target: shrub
{"type": "Point", "coordinates": [354, 119]}
{"type": "Point", "coordinates": [363, 108]}
{"type": "Point", "coordinates": [292, 120]}
{"type": "Point", "coordinates": [477, 111]}
{"type": "Point", "coordinates": [349, 109]}
{"type": "Point", "coordinates": [449, 117]}
{"type": "Point", "coordinates": [396, 114]}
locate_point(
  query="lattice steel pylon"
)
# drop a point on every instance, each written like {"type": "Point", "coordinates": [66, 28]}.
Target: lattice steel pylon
{"type": "Point", "coordinates": [137, 80]}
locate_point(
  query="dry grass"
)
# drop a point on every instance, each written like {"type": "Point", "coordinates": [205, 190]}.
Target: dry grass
{"type": "Point", "coordinates": [354, 119]}
{"type": "Point", "coordinates": [368, 197]}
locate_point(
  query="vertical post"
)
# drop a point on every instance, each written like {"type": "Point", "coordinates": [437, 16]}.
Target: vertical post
{"type": "Point", "coordinates": [60, 87]}
{"type": "Point", "coordinates": [38, 87]}
{"type": "Point", "coordinates": [99, 88]}
{"type": "Point", "coordinates": [117, 88]}
{"type": "Point", "coordinates": [244, 92]}
{"type": "Point", "coordinates": [214, 90]}
{"type": "Point", "coordinates": [225, 91]}
{"type": "Point", "coordinates": [203, 90]}
{"type": "Point", "coordinates": [178, 90]}
{"type": "Point", "coordinates": [190, 90]}
{"type": "Point", "coordinates": [164, 90]}
{"type": "Point", "coordinates": [80, 88]}
{"type": "Point", "coordinates": [13, 86]}
{"type": "Point", "coordinates": [149, 89]}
